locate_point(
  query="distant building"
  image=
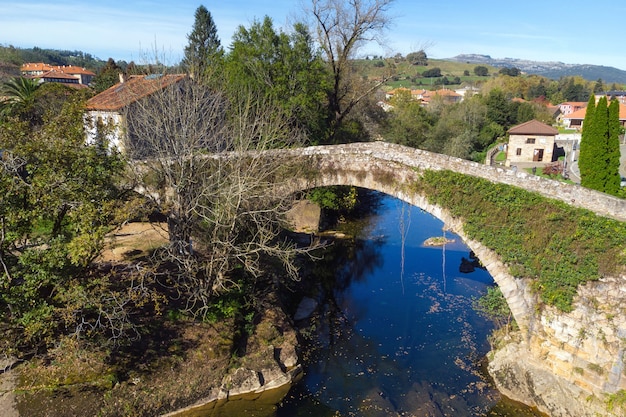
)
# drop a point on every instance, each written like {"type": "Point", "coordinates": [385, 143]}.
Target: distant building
{"type": "Point", "coordinates": [531, 142]}
{"type": "Point", "coordinates": [615, 94]}
{"type": "Point", "coordinates": [575, 120]}
{"type": "Point", "coordinates": [66, 74]}
{"type": "Point", "coordinates": [426, 96]}
{"type": "Point", "coordinates": [570, 107]}
{"type": "Point", "coordinates": [467, 91]}
{"type": "Point", "coordinates": [448, 96]}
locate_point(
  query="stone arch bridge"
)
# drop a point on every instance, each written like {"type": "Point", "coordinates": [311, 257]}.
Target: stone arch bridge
{"type": "Point", "coordinates": [557, 361]}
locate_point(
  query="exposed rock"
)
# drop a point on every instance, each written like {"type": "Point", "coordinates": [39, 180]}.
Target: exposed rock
{"type": "Point", "coordinates": [273, 378]}
{"type": "Point", "coordinates": [288, 356]}
{"type": "Point", "coordinates": [7, 394]}
{"type": "Point", "coordinates": [437, 241]}
{"type": "Point", "coordinates": [521, 377]}
{"type": "Point", "coordinates": [569, 364]}
{"type": "Point", "coordinates": [304, 217]}
{"type": "Point", "coordinates": [306, 307]}
{"type": "Point", "coordinates": [241, 381]}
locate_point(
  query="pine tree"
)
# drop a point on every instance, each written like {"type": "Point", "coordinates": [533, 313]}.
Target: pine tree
{"type": "Point", "coordinates": [204, 46]}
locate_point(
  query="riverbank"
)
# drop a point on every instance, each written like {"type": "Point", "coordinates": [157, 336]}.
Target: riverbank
{"type": "Point", "coordinates": [196, 369]}
{"type": "Point", "coordinates": [176, 364]}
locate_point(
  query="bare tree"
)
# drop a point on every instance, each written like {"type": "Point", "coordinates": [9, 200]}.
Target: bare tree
{"type": "Point", "coordinates": [342, 27]}
{"type": "Point", "coordinates": [197, 168]}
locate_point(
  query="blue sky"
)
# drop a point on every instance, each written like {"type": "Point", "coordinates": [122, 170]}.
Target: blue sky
{"type": "Point", "coordinates": [572, 32]}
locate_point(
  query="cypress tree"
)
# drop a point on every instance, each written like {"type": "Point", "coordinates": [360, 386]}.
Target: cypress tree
{"type": "Point", "coordinates": [599, 140]}
{"type": "Point", "coordinates": [204, 45]}
{"type": "Point", "coordinates": [599, 159]}
{"type": "Point", "coordinates": [612, 176]}
{"type": "Point", "coordinates": [586, 148]}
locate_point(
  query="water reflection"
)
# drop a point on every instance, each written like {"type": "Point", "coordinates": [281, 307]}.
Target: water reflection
{"type": "Point", "coordinates": [396, 333]}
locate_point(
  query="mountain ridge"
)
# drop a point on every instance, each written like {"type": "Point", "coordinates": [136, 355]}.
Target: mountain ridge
{"type": "Point", "coordinates": [548, 69]}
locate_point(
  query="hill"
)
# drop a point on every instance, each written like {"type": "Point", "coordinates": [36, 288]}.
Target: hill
{"type": "Point", "coordinates": [552, 69]}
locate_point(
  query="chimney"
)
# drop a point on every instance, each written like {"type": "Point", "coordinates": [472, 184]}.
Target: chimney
{"type": "Point", "coordinates": [122, 78]}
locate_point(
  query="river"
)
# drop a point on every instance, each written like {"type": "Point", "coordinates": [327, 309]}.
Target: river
{"type": "Point", "coordinates": [398, 334]}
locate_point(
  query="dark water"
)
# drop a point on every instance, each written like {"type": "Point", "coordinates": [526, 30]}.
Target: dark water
{"type": "Point", "coordinates": [398, 334]}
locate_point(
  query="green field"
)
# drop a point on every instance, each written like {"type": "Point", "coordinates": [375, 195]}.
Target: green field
{"type": "Point", "coordinates": [403, 72]}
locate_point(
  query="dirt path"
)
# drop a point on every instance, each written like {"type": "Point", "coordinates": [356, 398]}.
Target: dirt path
{"type": "Point", "coordinates": [133, 239]}
{"type": "Point", "coordinates": [7, 387]}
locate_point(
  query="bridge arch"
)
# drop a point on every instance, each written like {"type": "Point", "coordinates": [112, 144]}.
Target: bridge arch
{"type": "Point", "coordinates": [374, 175]}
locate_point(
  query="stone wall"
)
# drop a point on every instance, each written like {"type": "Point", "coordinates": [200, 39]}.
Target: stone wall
{"type": "Point", "coordinates": [570, 364]}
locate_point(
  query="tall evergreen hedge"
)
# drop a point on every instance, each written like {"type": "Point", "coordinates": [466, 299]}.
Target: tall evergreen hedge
{"type": "Point", "coordinates": [599, 147]}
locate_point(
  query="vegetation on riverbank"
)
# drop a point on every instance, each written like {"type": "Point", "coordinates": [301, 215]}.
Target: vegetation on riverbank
{"type": "Point", "coordinates": [557, 260]}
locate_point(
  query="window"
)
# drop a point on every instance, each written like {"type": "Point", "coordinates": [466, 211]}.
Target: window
{"type": "Point", "coordinates": [518, 151]}
{"type": "Point", "coordinates": [530, 140]}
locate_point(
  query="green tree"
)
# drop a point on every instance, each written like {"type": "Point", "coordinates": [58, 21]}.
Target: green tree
{"type": "Point", "coordinates": [204, 48]}
{"type": "Point", "coordinates": [613, 178]}
{"type": "Point", "coordinates": [599, 147]}
{"type": "Point", "coordinates": [57, 197]}
{"type": "Point", "coordinates": [282, 68]}
{"type": "Point", "coordinates": [481, 70]}
{"type": "Point", "coordinates": [574, 89]}
{"type": "Point", "coordinates": [598, 86]}
{"type": "Point", "coordinates": [417, 58]}
{"type": "Point", "coordinates": [600, 131]}
{"type": "Point", "coordinates": [108, 76]}
{"type": "Point", "coordinates": [500, 109]}
{"type": "Point", "coordinates": [19, 98]}
{"type": "Point", "coordinates": [432, 73]}
{"type": "Point", "coordinates": [586, 163]}
{"type": "Point", "coordinates": [511, 72]}
{"type": "Point", "coordinates": [408, 123]}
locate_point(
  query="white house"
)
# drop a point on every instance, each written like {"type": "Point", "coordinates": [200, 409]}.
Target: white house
{"type": "Point", "coordinates": [110, 106]}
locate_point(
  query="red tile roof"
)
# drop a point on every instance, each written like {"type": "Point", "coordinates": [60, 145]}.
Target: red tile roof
{"type": "Point", "coordinates": [580, 114]}
{"type": "Point", "coordinates": [37, 66]}
{"type": "Point", "coordinates": [533, 127]}
{"type": "Point", "coordinates": [57, 75]}
{"type": "Point", "coordinates": [42, 67]}
{"type": "Point", "coordinates": [131, 90]}
{"type": "Point", "coordinates": [70, 69]}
